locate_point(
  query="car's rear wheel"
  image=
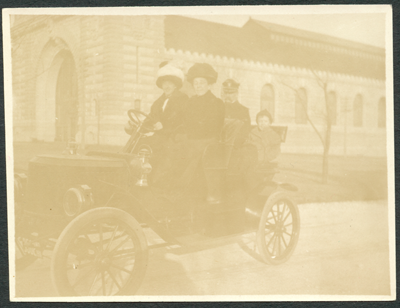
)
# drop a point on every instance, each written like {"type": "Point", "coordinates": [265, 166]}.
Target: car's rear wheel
{"type": "Point", "coordinates": [279, 229]}
{"type": "Point", "coordinates": [22, 258]}
{"type": "Point", "coordinates": [101, 252]}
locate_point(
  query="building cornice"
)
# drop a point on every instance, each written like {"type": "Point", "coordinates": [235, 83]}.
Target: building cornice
{"type": "Point", "coordinates": [270, 67]}
{"type": "Point", "coordinates": [314, 37]}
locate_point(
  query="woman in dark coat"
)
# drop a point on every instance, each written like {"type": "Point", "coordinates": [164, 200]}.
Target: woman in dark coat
{"type": "Point", "coordinates": [203, 120]}
{"type": "Point", "coordinates": [165, 118]}
{"type": "Point", "coordinates": [166, 113]}
{"type": "Point", "coordinates": [204, 116]}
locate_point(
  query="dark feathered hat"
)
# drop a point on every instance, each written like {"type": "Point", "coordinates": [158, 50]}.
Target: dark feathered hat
{"type": "Point", "coordinates": [204, 70]}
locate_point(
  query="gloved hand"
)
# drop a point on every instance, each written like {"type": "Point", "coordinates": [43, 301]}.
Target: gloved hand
{"type": "Point", "coordinates": [158, 126]}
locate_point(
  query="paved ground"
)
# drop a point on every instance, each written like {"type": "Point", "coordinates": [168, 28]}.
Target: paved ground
{"type": "Point", "coordinates": [343, 249]}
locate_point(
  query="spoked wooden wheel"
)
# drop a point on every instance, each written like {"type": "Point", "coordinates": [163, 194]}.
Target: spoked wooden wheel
{"type": "Point", "coordinates": [279, 229]}
{"type": "Point", "coordinates": [102, 252]}
{"type": "Point", "coordinates": [22, 258]}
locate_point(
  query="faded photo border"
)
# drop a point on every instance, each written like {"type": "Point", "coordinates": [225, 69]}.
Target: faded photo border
{"type": "Point", "coordinates": [206, 11]}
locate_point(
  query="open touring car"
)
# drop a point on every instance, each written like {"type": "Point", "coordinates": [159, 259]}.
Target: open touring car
{"type": "Point", "coordinates": [91, 210]}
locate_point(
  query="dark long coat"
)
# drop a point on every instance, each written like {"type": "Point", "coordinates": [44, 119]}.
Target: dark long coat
{"type": "Point", "coordinates": [203, 122]}
{"type": "Point", "coordinates": [204, 117]}
{"type": "Point", "coordinates": [162, 141]}
{"type": "Point", "coordinates": [172, 116]}
{"type": "Point", "coordinates": [239, 112]}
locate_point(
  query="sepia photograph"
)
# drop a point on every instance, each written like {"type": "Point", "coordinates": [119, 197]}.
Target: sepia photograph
{"type": "Point", "coordinates": [200, 153]}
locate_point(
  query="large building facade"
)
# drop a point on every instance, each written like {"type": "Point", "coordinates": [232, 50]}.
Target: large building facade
{"type": "Point", "coordinates": [74, 77]}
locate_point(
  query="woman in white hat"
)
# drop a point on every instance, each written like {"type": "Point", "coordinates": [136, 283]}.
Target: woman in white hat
{"type": "Point", "coordinates": [166, 113]}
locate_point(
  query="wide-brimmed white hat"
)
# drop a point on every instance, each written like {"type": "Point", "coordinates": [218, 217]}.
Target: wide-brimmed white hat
{"type": "Point", "coordinates": [171, 73]}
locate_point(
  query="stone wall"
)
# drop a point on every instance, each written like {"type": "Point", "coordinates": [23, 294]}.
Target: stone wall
{"type": "Point", "coordinates": [121, 67]}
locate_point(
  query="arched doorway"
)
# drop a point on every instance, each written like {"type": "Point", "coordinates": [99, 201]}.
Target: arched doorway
{"type": "Point", "coordinates": [56, 93]}
{"type": "Point", "coordinates": [66, 113]}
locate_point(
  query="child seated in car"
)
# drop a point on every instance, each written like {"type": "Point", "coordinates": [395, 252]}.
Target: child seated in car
{"type": "Point", "coordinates": [267, 141]}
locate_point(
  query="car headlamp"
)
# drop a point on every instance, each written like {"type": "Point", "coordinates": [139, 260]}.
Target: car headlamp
{"type": "Point", "coordinates": [145, 167]}
{"type": "Point", "coordinates": [77, 199]}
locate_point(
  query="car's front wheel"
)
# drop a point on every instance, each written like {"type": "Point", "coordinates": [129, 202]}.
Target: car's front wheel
{"type": "Point", "coordinates": [101, 252]}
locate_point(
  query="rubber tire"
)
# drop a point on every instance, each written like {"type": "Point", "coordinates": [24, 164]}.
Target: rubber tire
{"type": "Point", "coordinates": [25, 260]}
{"type": "Point", "coordinates": [80, 222]}
{"type": "Point", "coordinates": [261, 245]}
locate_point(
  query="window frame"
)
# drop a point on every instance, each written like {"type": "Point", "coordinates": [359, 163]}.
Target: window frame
{"type": "Point", "coordinates": [358, 111]}
{"type": "Point", "coordinates": [301, 118]}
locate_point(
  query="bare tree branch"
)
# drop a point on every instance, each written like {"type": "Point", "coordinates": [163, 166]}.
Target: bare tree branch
{"type": "Point", "coordinates": [303, 104]}
{"type": "Point", "coordinates": [318, 78]}
{"type": "Point", "coordinates": [322, 82]}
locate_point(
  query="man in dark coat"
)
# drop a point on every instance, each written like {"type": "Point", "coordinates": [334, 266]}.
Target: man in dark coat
{"type": "Point", "coordinates": [235, 110]}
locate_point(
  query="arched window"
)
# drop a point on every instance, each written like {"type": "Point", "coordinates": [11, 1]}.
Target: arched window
{"type": "Point", "coordinates": [358, 111]}
{"type": "Point", "coordinates": [332, 107]}
{"type": "Point", "coordinates": [382, 112]}
{"type": "Point", "coordinates": [267, 100]}
{"type": "Point", "coordinates": [301, 106]}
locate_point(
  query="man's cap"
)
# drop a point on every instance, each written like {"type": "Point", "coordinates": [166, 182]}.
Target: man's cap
{"type": "Point", "coordinates": [230, 86]}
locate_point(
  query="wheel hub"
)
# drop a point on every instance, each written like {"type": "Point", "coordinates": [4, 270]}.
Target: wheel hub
{"type": "Point", "coordinates": [103, 261]}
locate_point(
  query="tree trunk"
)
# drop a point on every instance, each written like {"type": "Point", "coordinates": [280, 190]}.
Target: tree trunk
{"type": "Point", "coordinates": [325, 157]}
{"type": "Point", "coordinates": [325, 167]}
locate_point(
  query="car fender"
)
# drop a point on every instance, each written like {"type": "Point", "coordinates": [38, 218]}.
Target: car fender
{"type": "Point", "coordinates": [258, 198]}
{"type": "Point", "coordinates": [271, 187]}
{"type": "Point", "coordinates": [126, 201]}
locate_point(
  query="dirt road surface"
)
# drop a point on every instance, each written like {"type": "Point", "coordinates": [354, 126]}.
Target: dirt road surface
{"type": "Point", "coordinates": [342, 250]}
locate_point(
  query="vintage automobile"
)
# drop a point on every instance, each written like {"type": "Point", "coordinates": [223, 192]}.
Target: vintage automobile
{"type": "Point", "coordinates": [92, 210]}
